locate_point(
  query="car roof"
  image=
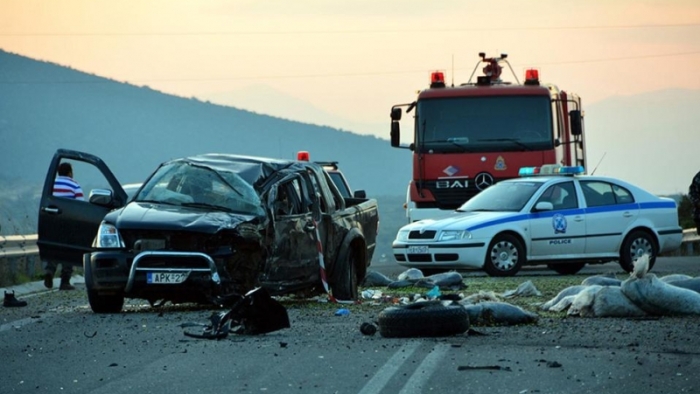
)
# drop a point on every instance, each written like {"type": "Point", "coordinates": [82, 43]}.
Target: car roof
{"type": "Point", "coordinates": [549, 179]}
{"type": "Point", "coordinates": [252, 169]}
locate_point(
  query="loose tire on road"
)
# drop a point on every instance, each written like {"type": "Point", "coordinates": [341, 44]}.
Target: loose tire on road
{"type": "Point", "coordinates": [423, 319]}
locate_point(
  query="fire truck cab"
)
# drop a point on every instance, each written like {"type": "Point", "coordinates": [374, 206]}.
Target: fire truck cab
{"type": "Point", "coordinates": [470, 136]}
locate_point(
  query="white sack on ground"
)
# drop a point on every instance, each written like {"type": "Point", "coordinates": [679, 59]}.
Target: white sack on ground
{"type": "Point", "coordinates": [498, 314]}
{"type": "Point", "coordinates": [602, 280]}
{"type": "Point", "coordinates": [563, 304]}
{"type": "Point", "coordinates": [611, 302]}
{"type": "Point", "coordinates": [657, 297]}
{"type": "Point", "coordinates": [569, 291]}
{"type": "Point", "coordinates": [583, 302]}
{"type": "Point", "coordinates": [525, 289]}
{"type": "Point", "coordinates": [675, 277]}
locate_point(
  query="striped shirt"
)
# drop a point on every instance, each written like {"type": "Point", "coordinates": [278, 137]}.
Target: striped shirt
{"type": "Point", "coordinates": [65, 186]}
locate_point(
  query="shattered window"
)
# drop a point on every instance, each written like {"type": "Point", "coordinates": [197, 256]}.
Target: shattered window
{"type": "Point", "coordinates": [181, 183]}
{"type": "Point", "coordinates": [288, 200]}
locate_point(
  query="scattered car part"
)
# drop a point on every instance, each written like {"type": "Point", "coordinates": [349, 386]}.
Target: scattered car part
{"type": "Point", "coordinates": [423, 319]}
{"type": "Point", "coordinates": [252, 314]}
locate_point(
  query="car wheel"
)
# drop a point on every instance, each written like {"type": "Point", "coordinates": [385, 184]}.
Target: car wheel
{"type": "Point", "coordinates": [566, 268]}
{"type": "Point", "coordinates": [504, 256]}
{"type": "Point", "coordinates": [636, 244]}
{"type": "Point", "coordinates": [423, 319]}
{"type": "Point", "coordinates": [345, 285]}
{"type": "Point", "coordinates": [104, 303]}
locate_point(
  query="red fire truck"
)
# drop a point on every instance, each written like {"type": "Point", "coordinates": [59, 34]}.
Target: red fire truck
{"type": "Point", "coordinates": [470, 136]}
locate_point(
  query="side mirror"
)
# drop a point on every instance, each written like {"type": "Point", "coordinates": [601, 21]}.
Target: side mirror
{"type": "Point", "coordinates": [102, 197]}
{"type": "Point", "coordinates": [576, 123]}
{"type": "Point", "coordinates": [396, 114]}
{"type": "Point", "coordinates": [359, 194]}
{"type": "Point", "coordinates": [544, 206]}
{"type": "Point", "coordinates": [395, 134]}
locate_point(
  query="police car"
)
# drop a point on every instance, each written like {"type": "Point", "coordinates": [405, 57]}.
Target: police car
{"type": "Point", "coordinates": [551, 215]}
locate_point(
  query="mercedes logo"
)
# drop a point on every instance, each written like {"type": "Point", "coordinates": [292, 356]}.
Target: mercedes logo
{"type": "Point", "coordinates": [483, 180]}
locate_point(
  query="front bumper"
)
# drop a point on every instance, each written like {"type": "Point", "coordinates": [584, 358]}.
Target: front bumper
{"type": "Point", "coordinates": [440, 255]}
{"type": "Point", "coordinates": [129, 273]}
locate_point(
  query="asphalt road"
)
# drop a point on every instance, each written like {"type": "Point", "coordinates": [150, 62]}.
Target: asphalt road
{"type": "Point", "coordinates": [56, 344]}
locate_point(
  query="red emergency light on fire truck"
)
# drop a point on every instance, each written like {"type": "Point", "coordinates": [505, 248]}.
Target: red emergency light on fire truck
{"type": "Point", "coordinates": [467, 137]}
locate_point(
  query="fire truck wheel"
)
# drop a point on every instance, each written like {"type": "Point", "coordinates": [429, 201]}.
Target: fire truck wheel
{"type": "Point", "coordinates": [504, 256]}
{"type": "Point", "coordinates": [423, 319]}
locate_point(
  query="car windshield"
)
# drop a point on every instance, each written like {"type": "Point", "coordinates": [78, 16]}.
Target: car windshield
{"type": "Point", "coordinates": [503, 196]}
{"type": "Point", "coordinates": [185, 184]}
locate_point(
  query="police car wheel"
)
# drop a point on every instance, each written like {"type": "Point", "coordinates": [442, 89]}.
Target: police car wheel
{"type": "Point", "coordinates": [636, 244]}
{"type": "Point", "coordinates": [504, 256]}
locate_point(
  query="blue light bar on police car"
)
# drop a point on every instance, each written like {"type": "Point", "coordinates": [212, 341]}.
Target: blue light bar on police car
{"type": "Point", "coordinates": [551, 169]}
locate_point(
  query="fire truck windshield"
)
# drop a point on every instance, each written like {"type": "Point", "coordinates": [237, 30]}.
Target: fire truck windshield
{"type": "Point", "coordinates": [484, 124]}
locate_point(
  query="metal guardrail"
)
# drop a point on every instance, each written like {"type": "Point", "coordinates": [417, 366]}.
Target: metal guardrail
{"type": "Point", "coordinates": [25, 245]}
{"type": "Point", "coordinates": [18, 246]}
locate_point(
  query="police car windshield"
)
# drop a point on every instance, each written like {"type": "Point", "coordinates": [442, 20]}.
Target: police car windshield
{"type": "Point", "coordinates": [502, 197]}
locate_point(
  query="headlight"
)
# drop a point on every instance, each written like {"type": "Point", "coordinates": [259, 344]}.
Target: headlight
{"type": "Point", "coordinates": [108, 237]}
{"type": "Point", "coordinates": [454, 235]}
{"type": "Point", "coordinates": [402, 235]}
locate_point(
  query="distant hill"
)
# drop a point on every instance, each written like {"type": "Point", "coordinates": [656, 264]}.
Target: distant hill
{"type": "Point", "coordinates": [45, 106]}
{"type": "Point", "coordinates": [649, 139]}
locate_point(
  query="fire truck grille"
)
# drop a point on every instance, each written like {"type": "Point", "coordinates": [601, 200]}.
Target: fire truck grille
{"type": "Point", "coordinates": [450, 198]}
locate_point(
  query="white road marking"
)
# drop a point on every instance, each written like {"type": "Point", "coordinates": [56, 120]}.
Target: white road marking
{"type": "Point", "coordinates": [380, 379]}
{"type": "Point", "coordinates": [425, 370]}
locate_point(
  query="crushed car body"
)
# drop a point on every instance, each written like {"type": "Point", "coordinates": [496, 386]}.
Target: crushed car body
{"type": "Point", "coordinates": [215, 224]}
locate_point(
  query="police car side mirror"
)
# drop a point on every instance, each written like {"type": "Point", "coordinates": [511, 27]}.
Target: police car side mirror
{"type": "Point", "coordinates": [544, 206]}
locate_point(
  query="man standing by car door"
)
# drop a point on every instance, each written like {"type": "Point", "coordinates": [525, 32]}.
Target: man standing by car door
{"type": "Point", "coordinates": [64, 186]}
{"type": "Point", "coordinates": [694, 196]}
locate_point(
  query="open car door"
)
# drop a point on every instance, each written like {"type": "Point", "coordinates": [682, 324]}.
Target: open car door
{"type": "Point", "coordinates": [67, 226]}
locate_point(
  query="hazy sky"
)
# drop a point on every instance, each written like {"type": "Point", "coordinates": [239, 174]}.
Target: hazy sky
{"type": "Point", "coordinates": [356, 58]}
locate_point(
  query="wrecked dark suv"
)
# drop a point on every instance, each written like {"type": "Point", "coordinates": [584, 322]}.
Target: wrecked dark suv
{"type": "Point", "coordinates": [210, 225]}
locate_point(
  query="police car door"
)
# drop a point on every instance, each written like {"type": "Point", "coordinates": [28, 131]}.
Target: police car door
{"type": "Point", "coordinates": [561, 232]}
{"type": "Point", "coordinates": [610, 210]}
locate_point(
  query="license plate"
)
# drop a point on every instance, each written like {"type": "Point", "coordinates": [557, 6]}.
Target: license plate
{"type": "Point", "coordinates": [166, 278]}
{"type": "Point", "coordinates": [418, 249]}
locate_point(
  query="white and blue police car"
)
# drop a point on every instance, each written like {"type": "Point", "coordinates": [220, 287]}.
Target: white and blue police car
{"type": "Point", "coordinates": [551, 215]}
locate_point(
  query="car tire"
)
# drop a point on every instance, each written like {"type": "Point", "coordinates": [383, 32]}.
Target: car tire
{"type": "Point", "coordinates": [636, 244]}
{"type": "Point", "coordinates": [566, 268]}
{"type": "Point", "coordinates": [345, 286]}
{"type": "Point", "coordinates": [423, 319]}
{"type": "Point", "coordinates": [505, 256]}
{"type": "Point", "coordinates": [104, 303]}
